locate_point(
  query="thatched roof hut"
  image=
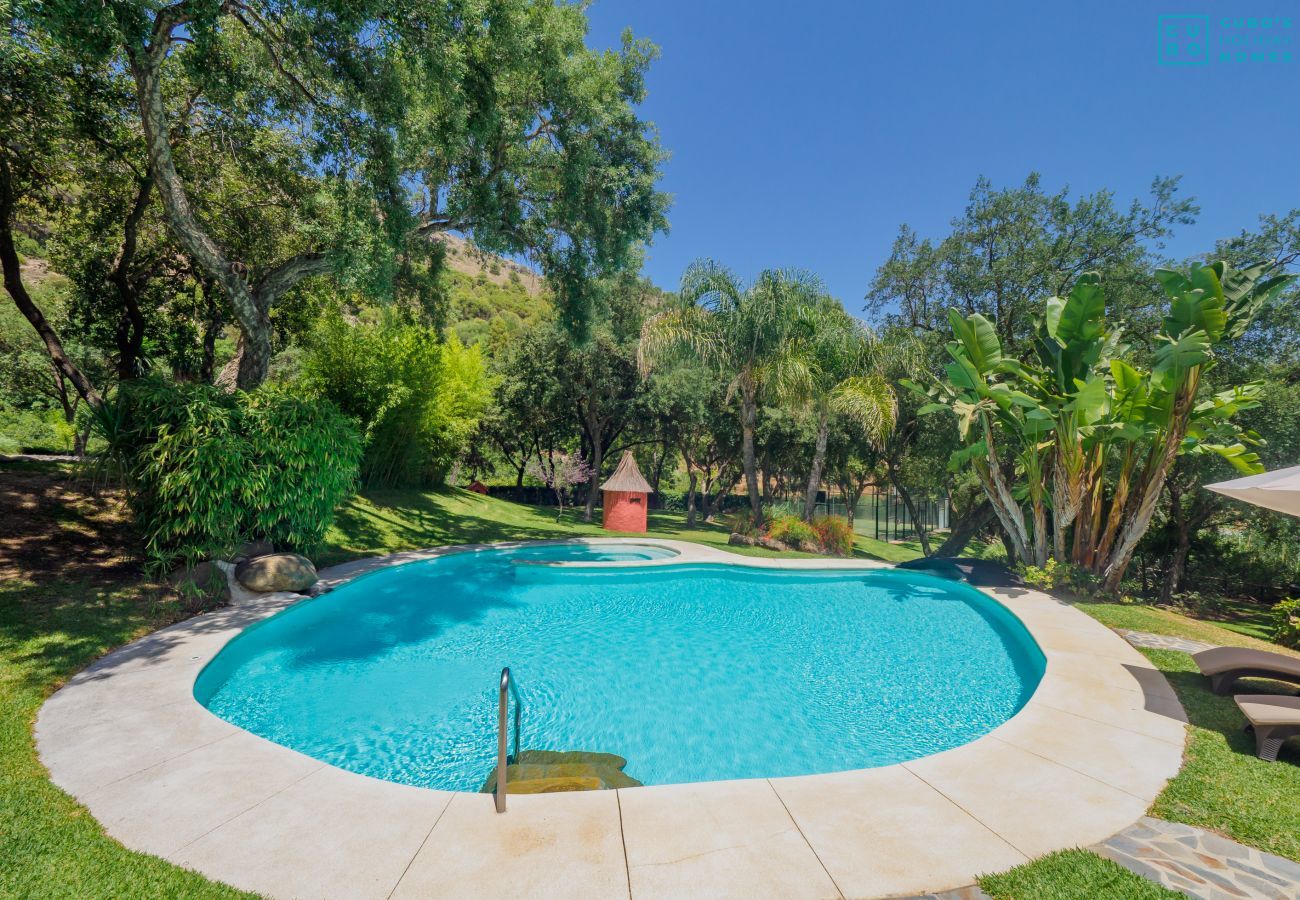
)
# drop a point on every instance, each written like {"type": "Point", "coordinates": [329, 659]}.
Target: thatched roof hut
{"type": "Point", "coordinates": [627, 477]}
{"type": "Point", "coordinates": [625, 496]}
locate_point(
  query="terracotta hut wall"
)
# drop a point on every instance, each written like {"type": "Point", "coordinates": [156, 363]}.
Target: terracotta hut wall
{"type": "Point", "coordinates": [624, 511]}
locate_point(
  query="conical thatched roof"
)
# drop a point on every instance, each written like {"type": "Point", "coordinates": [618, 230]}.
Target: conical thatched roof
{"type": "Point", "coordinates": [627, 477]}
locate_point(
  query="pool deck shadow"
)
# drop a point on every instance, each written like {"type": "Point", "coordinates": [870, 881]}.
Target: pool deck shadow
{"type": "Point", "coordinates": [1080, 762]}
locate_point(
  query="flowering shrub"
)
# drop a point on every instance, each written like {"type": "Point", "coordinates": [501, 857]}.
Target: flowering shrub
{"type": "Point", "coordinates": [834, 534]}
{"type": "Point", "coordinates": [1286, 623]}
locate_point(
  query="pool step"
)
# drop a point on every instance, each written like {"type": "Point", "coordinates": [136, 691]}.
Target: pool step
{"type": "Point", "coordinates": [552, 771]}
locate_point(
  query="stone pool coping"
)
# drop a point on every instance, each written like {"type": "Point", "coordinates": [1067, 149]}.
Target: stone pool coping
{"type": "Point", "coordinates": [1081, 761]}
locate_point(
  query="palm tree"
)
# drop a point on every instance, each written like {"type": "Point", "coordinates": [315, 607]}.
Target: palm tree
{"type": "Point", "coordinates": [743, 332]}
{"type": "Point", "coordinates": [840, 358]}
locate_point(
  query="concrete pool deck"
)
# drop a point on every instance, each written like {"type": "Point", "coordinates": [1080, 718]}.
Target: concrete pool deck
{"type": "Point", "coordinates": [1081, 761]}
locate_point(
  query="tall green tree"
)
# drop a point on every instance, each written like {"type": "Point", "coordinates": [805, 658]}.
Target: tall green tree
{"type": "Point", "coordinates": [35, 147]}
{"type": "Point", "coordinates": [1013, 246]}
{"type": "Point", "coordinates": [843, 376]}
{"type": "Point", "coordinates": [743, 332]}
{"type": "Point", "coordinates": [405, 119]}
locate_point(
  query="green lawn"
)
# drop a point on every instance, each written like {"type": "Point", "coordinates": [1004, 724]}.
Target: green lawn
{"type": "Point", "coordinates": [1246, 631]}
{"type": "Point", "coordinates": [387, 521]}
{"type": "Point", "coordinates": [1072, 875]}
{"type": "Point", "coordinates": [1222, 785]}
{"type": "Point", "coordinates": [49, 844]}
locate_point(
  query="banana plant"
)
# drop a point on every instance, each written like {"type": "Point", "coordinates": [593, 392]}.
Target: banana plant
{"type": "Point", "coordinates": [985, 391]}
{"type": "Point", "coordinates": [1208, 305]}
{"type": "Point", "coordinates": [1090, 432]}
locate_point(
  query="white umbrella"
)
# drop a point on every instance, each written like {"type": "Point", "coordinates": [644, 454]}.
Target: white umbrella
{"type": "Point", "coordinates": [1278, 490]}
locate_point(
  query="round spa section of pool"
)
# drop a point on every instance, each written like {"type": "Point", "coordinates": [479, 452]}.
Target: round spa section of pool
{"type": "Point", "coordinates": [692, 672]}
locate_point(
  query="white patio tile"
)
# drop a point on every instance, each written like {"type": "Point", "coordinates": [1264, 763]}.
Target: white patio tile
{"type": "Point", "coordinates": [720, 839]}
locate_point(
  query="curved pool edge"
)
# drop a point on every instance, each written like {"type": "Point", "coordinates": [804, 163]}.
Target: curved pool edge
{"type": "Point", "coordinates": [1080, 761]}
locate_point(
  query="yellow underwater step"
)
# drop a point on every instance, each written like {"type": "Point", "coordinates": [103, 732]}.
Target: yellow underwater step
{"type": "Point", "coordinates": [553, 771]}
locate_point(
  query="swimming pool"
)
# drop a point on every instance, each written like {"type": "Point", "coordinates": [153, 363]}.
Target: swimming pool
{"type": "Point", "coordinates": [693, 672]}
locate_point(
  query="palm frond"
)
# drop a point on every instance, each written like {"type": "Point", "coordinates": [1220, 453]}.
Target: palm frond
{"type": "Point", "coordinates": [870, 401]}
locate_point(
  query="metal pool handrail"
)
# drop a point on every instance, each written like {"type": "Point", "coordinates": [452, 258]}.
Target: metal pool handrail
{"type": "Point", "coordinates": [506, 691]}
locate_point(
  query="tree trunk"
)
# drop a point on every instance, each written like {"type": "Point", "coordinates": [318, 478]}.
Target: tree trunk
{"type": "Point", "coordinates": [1186, 524]}
{"type": "Point", "coordinates": [1004, 503]}
{"type": "Point", "coordinates": [1013, 552]}
{"type": "Point", "coordinates": [13, 280]}
{"type": "Point", "coordinates": [966, 528]}
{"type": "Point", "coordinates": [1039, 511]}
{"type": "Point", "coordinates": [130, 327]}
{"type": "Point", "coordinates": [690, 497]}
{"type": "Point", "coordinates": [818, 461]}
{"type": "Point", "coordinates": [1136, 526]}
{"type": "Point", "coordinates": [597, 458]}
{"type": "Point", "coordinates": [748, 417]}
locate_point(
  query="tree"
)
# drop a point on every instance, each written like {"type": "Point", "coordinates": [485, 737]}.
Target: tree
{"type": "Point", "coordinates": [403, 120]}
{"type": "Point", "coordinates": [560, 472]}
{"type": "Point", "coordinates": [34, 147]}
{"type": "Point", "coordinates": [1013, 246]}
{"type": "Point", "coordinates": [1092, 429]}
{"type": "Point", "coordinates": [740, 331]}
{"type": "Point", "coordinates": [842, 376]}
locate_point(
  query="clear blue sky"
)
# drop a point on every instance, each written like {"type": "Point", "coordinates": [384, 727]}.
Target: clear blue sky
{"type": "Point", "coordinates": [804, 134]}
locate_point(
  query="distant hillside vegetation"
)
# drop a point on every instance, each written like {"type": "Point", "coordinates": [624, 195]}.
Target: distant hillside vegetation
{"type": "Point", "coordinates": [487, 292]}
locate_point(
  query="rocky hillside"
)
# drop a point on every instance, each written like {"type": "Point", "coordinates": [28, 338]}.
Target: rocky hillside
{"type": "Point", "coordinates": [465, 258]}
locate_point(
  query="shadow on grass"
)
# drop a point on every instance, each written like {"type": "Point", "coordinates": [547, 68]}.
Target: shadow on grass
{"type": "Point", "coordinates": [1223, 785]}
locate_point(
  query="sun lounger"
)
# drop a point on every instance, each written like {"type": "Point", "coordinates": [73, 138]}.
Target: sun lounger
{"type": "Point", "coordinates": [1274, 718]}
{"type": "Point", "coordinates": [1225, 665]}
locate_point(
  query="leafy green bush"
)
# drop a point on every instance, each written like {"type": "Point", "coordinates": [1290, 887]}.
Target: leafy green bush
{"type": "Point", "coordinates": [1286, 623]}
{"type": "Point", "coordinates": [35, 431]}
{"type": "Point", "coordinates": [207, 470]}
{"type": "Point", "coordinates": [1059, 576]}
{"type": "Point", "coordinates": [305, 459]}
{"type": "Point", "coordinates": [418, 400]}
{"type": "Point", "coordinates": [794, 532]}
{"type": "Point", "coordinates": [1043, 577]}
{"type": "Point", "coordinates": [834, 534]}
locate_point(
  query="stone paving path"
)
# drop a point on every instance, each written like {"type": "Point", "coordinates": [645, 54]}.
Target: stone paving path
{"type": "Point", "coordinates": [1163, 641]}
{"type": "Point", "coordinates": [1200, 863]}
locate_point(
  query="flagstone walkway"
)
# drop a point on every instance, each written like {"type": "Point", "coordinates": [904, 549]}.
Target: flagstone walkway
{"type": "Point", "coordinates": [1201, 863]}
{"type": "Point", "coordinates": [1150, 641]}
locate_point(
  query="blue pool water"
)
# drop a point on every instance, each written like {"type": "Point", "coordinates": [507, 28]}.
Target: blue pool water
{"type": "Point", "coordinates": [691, 672]}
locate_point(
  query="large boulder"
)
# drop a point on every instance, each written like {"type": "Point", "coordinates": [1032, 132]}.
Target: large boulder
{"type": "Point", "coordinates": [276, 572]}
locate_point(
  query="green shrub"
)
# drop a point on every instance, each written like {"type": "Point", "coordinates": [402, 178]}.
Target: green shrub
{"type": "Point", "coordinates": [1059, 576]}
{"type": "Point", "coordinates": [834, 534]}
{"type": "Point", "coordinates": [418, 400]}
{"type": "Point", "coordinates": [207, 470]}
{"type": "Point", "coordinates": [794, 532]}
{"type": "Point", "coordinates": [1286, 623]}
{"type": "Point", "coordinates": [1043, 577]}
{"type": "Point", "coordinates": [36, 431]}
{"type": "Point", "coordinates": [305, 456]}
